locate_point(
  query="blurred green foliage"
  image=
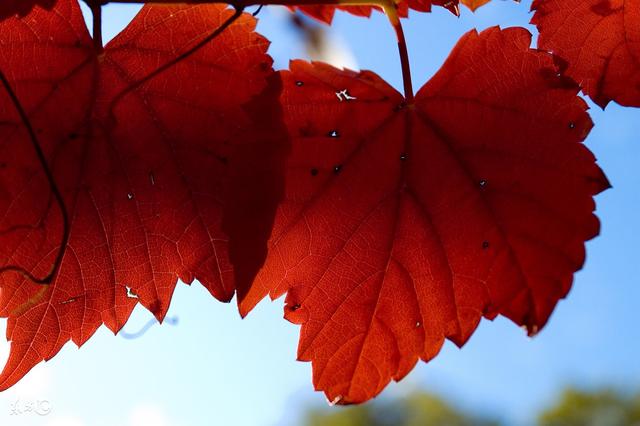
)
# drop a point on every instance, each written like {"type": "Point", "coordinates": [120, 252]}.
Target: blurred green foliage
{"type": "Point", "coordinates": [417, 409]}
{"type": "Point", "coordinates": [605, 407]}
{"type": "Point", "coordinates": [574, 407]}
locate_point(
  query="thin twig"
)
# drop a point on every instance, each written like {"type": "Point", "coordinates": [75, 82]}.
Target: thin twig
{"type": "Point", "coordinates": [254, 14]}
{"type": "Point", "coordinates": [146, 327]}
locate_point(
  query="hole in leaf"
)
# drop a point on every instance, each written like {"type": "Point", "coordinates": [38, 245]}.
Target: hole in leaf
{"type": "Point", "coordinates": [343, 95]}
{"type": "Point", "coordinates": [130, 293]}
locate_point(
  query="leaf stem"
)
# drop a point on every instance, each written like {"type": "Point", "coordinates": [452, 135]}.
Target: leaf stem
{"type": "Point", "coordinates": [52, 184]}
{"type": "Point", "coordinates": [391, 11]}
{"type": "Point", "coordinates": [96, 11]}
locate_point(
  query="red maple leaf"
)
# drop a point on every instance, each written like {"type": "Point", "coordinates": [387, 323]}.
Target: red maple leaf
{"type": "Point", "coordinates": [403, 225]}
{"type": "Point", "coordinates": [22, 7]}
{"type": "Point", "coordinates": [599, 40]}
{"type": "Point", "coordinates": [163, 178]}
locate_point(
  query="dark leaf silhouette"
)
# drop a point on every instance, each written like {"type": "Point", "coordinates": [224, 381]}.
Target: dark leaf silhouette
{"type": "Point", "coordinates": [22, 7]}
{"type": "Point", "coordinates": [404, 224]}
{"type": "Point", "coordinates": [153, 171]}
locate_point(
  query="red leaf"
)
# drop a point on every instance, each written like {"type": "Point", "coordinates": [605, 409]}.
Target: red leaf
{"type": "Point", "coordinates": [22, 7]}
{"type": "Point", "coordinates": [325, 13]}
{"type": "Point", "coordinates": [143, 169]}
{"type": "Point", "coordinates": [474, 4]}
{"type": "Point", "coordinates": [599, 40]}
{"type": "Point", "coordinates": [404, 225]}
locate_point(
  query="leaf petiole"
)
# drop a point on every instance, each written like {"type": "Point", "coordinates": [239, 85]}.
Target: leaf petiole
{"type": "Point", "coordinates": [96, 11]}
{"type": "Point", "coordinates": [390, 9]}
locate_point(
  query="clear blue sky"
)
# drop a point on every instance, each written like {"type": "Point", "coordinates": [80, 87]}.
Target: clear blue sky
{"type": "Point", "coordinates": [214, 369]}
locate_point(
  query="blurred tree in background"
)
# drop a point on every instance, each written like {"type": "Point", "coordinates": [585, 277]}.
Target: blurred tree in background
{"type": "Point", "coordinates": [605, 407]}
{"type": "Point", "coordinates": [417, 409]}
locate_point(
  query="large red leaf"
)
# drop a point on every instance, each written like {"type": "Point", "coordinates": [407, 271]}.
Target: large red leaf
{"type": "Point", "coordinates": [22, 7]}
{"type": "Point", "coordinates": [403, 225]}
{"type": "Point", "coordinates": [600, 40]}
{"type": "Point", "coordinates": [164, 180]}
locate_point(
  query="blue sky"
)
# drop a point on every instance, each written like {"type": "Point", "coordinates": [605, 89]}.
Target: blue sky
{"type": "Point", "coordinates": [214, 369]}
